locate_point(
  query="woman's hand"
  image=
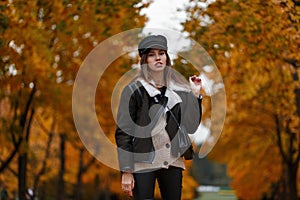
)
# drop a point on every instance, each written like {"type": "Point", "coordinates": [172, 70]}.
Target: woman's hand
{"type": "Point", "coordinates": [196, 84]}
{"type": "Point", "coordinates": [127, 183]}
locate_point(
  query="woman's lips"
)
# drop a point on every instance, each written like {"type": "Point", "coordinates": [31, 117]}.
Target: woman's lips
{"type": "Point", "coordinates": [158, 63]}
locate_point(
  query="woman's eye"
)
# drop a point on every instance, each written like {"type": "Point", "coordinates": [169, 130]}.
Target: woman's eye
{"type": "Point", "coordinates": [150, 54]}
{"type": "Point", "coordinates": [162, 53]}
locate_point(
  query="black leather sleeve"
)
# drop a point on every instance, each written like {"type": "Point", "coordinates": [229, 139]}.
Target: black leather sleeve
{"type": "Point", "coordinates": [125, 128]}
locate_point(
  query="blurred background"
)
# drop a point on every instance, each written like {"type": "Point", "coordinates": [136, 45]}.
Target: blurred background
{"type": "Point", "coordinates": [255, 45]}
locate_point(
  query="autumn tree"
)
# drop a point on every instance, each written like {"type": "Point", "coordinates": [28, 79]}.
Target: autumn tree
{"type": "Point", "coordinates": [42, 45]}
{"type": "Point", "coordinates": [255, 44]}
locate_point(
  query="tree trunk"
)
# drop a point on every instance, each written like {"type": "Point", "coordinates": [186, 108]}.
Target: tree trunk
{"type": "Point", "coordinates": [78, 187]}
{"type": "Point", "coordinates": [61, 184]}
{"type": "Point", "coordinates": [290, 174]}
{"type": "Point", "coordinates": [78, 192]}
{"type": "Point", "coordinates": [22, 163]}
{"type": "Point", "coordinates": [97, 192]}
{"type": "Point", "coordinates": [43, 169]}
{"type": "Point", "coordinates": [291, 171]}
{"type": "Point", "coordinates": [23, 157]}
{"type": "Point", "coordinates": [17, 137]}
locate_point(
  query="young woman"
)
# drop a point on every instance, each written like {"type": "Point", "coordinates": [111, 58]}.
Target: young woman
{"type": "Point", "coordinates": [152, 108]}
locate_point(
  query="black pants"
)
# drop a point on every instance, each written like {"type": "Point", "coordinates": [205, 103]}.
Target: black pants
{"type": "Point", "coordinates": [169, 181]}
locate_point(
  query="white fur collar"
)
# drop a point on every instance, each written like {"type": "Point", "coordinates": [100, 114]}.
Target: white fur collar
{"type": "Point", "coordinates": [173, 97]}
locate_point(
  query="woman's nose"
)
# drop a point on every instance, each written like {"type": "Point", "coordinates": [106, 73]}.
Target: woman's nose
{"type": "Point", "coordinates": [157, 57]}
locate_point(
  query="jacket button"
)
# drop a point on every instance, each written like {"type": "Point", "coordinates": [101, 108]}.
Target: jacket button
{"type": "Point", "coordinates": [168, 145]}
{"type": "Point", "coordinates": [166, 163]}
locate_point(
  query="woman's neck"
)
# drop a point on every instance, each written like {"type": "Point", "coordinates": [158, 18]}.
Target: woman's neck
{"type": "Point", "coordinates": [158, 78]}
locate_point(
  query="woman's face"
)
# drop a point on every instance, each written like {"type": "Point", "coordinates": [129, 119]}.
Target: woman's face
{"type": "Point", "coordinates": [156, 60]}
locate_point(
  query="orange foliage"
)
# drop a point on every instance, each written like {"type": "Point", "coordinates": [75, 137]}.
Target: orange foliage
{"type": "Point", "coordinates": [43, 43]}
{"type": "Point", "coordinates": [255, 44]}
